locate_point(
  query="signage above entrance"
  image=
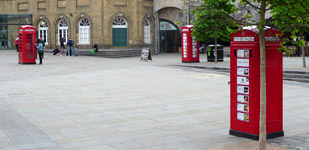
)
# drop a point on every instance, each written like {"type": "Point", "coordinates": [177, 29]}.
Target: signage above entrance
{"type": "Point", "coordinates": [166, 26]}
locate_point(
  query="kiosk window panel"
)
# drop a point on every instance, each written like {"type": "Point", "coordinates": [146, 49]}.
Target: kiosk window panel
{"type": "Point", "coordinates": [243, 98]}
{"type": "Point", "coordinates": [243, 62]}
{"type": "Point", "coordinates": [243, 80]}
{"type": "Point", "coordinates": [243, 53]}
{"type": "Point", "coordinates": [242, 116]}
{"type": "Point", "coordinates": [243, 107]}
{"type": "Point", "coordinates": [243, 71]}
{"type": "Point", "coordinates": [243, 89]}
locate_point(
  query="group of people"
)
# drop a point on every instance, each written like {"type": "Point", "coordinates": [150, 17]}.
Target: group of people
{"type": "Point", "coordinates": [40, 45]}
{"type": "Point", "coordinates": [70, 51]}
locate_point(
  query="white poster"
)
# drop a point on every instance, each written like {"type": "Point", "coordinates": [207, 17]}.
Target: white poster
{"type": "Point", "coordinates": [243, 80]}
{"type": "Point", "coordinates": [243, 107]}
{"type": "Point", "coordinates": [243, 62]}
{"type": "Point", "coordinates": [243, 98]}
{"type": "Point", "coordinates": [243, 53]}
{"type": "Point", "coordinates": [243, 39]}
{"type": "Point", "coordinates": [243, 71]}
{"type": "Point", "coordinates": [242, 89]}
{"type": "Point", "coordinates": [242, 116]}
{"type": "Point", "coordinates": [240, 53]}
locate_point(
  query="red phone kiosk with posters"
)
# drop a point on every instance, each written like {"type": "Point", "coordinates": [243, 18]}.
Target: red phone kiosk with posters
{"type": "Point", "coordinates": [27, 48]}
{"type": "Point", "coordinates": [245, 84]}
{"type": "Point", "coordinates": [190, 48]}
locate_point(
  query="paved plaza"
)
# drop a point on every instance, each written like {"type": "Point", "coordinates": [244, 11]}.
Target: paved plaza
{"type": "Point", "coordinates": [94, 103]}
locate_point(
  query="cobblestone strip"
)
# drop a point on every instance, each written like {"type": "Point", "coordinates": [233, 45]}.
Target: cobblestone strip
{"type": "Point", "coordinates": [21, 132]}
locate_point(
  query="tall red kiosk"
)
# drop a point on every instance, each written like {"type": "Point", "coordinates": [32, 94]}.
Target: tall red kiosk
{"type": "Point", "coordinates": [190, 48]}
{"type": "Point", "coordinates": [245, 84]}
{"type": "Point", "coordinates": [27, 49]}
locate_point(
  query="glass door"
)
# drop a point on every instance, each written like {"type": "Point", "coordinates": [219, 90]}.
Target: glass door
{"type": "Point", "coordinates": [3, 37]}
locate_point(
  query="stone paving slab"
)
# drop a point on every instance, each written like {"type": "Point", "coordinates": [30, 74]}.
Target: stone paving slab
{"type": "Point", "coordinates": [246, 146]}
{"type": "Point", "coordinates": [101, 103]}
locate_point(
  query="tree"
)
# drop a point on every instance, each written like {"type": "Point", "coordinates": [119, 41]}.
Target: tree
{"type": "Point", "coordinates": [292, 17]}
{"type": "Point", "coordinates": [213, 21]}
{"type": "Point", "coordinates": [276, 7]}
{"type": "Point", "coordinates": [283, 16]}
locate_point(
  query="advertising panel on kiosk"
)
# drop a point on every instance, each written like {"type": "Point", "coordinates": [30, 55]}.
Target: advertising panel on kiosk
{"type": "Point", "coordinates": [27, 49]}
{"type": "Point", "coordinates": [190, 47]}
{"type": "Point", "coordinates": [245, 84]}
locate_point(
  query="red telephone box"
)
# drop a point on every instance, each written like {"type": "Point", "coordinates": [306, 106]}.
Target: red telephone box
{"type": "Point", "coordinates": [245, 84]}
{"type": "Point", "coordinates": [190, 48]}
{"type": "Point", "coordinates": [27, 49]}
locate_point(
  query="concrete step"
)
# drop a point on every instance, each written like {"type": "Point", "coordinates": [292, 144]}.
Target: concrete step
{"type": "Point", "coordinates": [114, 53]}
{"type": "Point", "coordinates": [296, 72]}
{"type": "Point", "coordinates": [296, 79]}
{"type": "Point", "coordinates": [294, 75]}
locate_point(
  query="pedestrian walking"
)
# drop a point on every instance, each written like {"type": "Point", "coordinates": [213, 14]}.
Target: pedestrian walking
{"type": "Point", "coordinates": [70, 44]}
{"type": "Point", "coordinates": [39, 48]}
{"type": "Point", "coordinates": [62, 47]}
{"type": "Point", "coordinates": [43, 43]}
{"type": "Point", "coordinates": [17, 43]}
{"type": "Point", "coordinates": [76, 50]}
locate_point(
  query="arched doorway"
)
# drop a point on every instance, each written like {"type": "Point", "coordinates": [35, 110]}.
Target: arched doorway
{"type": "Point", "coordinates": [84, 31]}
{"type": "Point", "coordinates": [43, 31]}
{"type": "Point", "coordinates": [120, 32]}
{"type": "Point", "coordinates": [63, 27]}
{"type": "Point", "coordinates": [170, 37]}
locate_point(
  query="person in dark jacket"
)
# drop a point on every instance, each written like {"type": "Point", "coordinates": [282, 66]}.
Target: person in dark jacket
{"type": "Point", "coordinates": [39, 48]}
{"type": "Point", "coordinates": [62, 47]}
{"type": "Point", "coordinates": [62, 43]}
{"type": "Point", "coordinates": [96, 48]}
{"type": "Point", "coordinates": [43, 43]}
{"type": "Point", "coordinates": [70, 44]}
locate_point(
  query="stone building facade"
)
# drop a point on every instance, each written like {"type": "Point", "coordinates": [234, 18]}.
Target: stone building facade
{"type": "Point", "coordinates": [112, 24]}
{"type": "Point", "coordinates": [170, 17]}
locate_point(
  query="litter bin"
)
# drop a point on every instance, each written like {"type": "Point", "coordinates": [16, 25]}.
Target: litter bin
{"type": "Point", "coordinates": [211, 52]}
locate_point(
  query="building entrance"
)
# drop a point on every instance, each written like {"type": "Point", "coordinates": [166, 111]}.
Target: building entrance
{"type": "Point", "coordinates": [170, 37]}
{"type": "Point", "coordinates": [9, 25]}
{"type": "Point", "coordinates": [3, 37]}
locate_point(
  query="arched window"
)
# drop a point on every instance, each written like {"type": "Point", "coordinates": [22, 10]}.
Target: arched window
{"type": "Point", "coordinates": [120, 23]}
{"type": "Point", "coordinates": [43, 31]}
{"type": "Point", "coordinates": [120, 32]}
{"type": "Point", "coordinates": [84, 31]}
{"type": "Point", "coordinates": [63, 27]}
{"type": "Point", "coordinates": [147, 31]}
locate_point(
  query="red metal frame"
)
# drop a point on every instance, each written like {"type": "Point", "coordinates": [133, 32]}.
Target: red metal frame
{"type": "Point", "coordinates": [190, 47]}
{"type": "Point", "coordinates": [27, 48]}
{"type": "Point", "coordinates": [245, 57]}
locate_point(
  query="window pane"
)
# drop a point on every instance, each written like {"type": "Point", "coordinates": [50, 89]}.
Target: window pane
{"type": "Point", "coordinates": [3, 19]}
{"type": "Point", "coordinates": [64, 35]}
{"type": "Point", "coordinates": [20, 19]}
{"type": "Point", "coordinates": [40, 34]}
